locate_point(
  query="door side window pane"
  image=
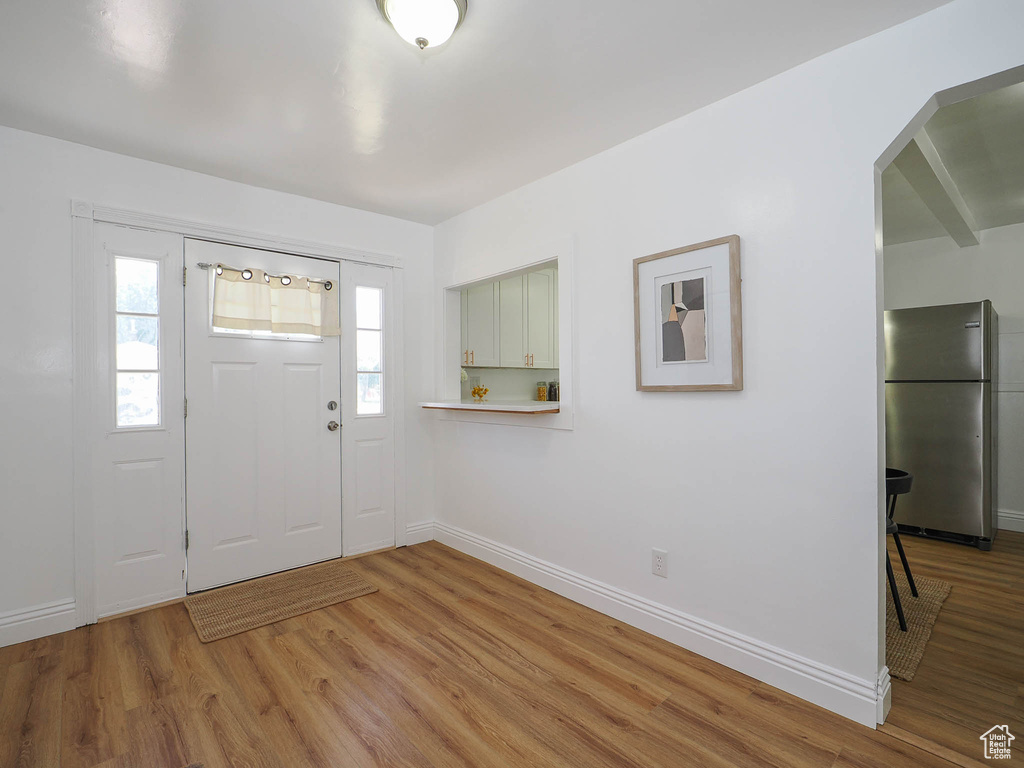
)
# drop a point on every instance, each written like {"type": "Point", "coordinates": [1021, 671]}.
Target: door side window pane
{"type": "Point", "coordinates": [368, 314]}
{"type": "Point", "coordinates": [369, 401]}
{"type": "Point", "coordinates": [368, 351]}
{"type": "Point", "coordinates": [138, 286]}
{"type": "Point", "coordinates": [138, 343]}
{"type": "Point", "coordinates": [138, 399]}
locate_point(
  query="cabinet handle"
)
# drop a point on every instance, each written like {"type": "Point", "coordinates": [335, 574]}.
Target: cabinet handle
{"type": "Point", "coordinates": [465, 357]}
{"type": "Point", "coordinates": [531, 359]}
{"type": "Point", "coordinates": [526, 360]}
{"type": "Point", "coordinates": [472, 358]}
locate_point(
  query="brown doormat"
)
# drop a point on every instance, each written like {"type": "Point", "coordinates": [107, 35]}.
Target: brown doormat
{"type": "Point", "coordinates": [237, 608]}
{"type": "Point", "coordinates": [903, 650]}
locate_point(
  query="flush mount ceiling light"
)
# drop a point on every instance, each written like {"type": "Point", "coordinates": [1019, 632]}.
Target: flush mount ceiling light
{"type": "Point", "coordinates": [424, 23]}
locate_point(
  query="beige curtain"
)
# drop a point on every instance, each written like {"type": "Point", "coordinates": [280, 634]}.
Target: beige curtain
{"type": "Point", "coordinates": [267, 304]}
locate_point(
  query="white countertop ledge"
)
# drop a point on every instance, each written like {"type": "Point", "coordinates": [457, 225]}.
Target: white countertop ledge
{"type": "Point", "coordinates": [494, 406]}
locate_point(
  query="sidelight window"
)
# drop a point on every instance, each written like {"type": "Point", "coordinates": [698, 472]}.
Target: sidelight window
{"type": "Point", "coordinates": [137, 340]}
{"type": "Point", "coordinates": [369, 351]}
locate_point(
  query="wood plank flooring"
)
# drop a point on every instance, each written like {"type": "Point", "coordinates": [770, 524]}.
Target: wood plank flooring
{"type": "Point", "coordinates": [972, 673]}
{"type": "Point", "coordinates": [452, 663]}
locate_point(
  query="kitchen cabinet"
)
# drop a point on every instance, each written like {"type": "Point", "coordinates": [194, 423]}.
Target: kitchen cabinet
{"type": "Point", "coordinates": [512, 322]}
{"type": "Point", "coordinates": [540, 318]}
{"type": "Point", "coordinates": [527, 320]}
{"type": "Point", "coordinates": [480, 335]}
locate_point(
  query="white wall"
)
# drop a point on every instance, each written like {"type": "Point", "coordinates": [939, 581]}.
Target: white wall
{"type": "Point", "coordinates": [38, 178]}
{"type": "Point", "coordinates": [767, 500]}
{"type": "Point", "coordinates": [940, 272]}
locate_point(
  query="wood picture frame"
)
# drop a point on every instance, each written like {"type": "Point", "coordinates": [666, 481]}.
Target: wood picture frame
{"type": "Point", "coordinates": [688, 319]}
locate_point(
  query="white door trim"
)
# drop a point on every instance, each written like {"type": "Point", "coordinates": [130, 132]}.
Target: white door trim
{"type": "Point", "coordinates": [84, 214]}
{"type": "Point", "coordinates": [83, 388]}
{"type": "Point", "coordinates": [398, 397]}
{"type": "Point", "coordinates": [248, 238]}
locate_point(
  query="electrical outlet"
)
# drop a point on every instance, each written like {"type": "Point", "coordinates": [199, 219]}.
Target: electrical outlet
{"type": "Point", "coordinates": [659, 562]}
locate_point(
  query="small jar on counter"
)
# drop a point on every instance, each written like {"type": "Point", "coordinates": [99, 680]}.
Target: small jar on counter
{"type": "Point", "coordinates": [542, 391]}
{"type": "Point", "coordinates": [553, 391]}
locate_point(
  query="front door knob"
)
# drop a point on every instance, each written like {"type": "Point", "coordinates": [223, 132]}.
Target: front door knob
{"type": "Point", "coordinates": [333, 426]}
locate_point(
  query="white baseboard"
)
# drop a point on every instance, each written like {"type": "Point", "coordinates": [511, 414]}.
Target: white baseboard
{"type": "Point", "coordinates": [37, 621]}
{"type": "Point", "coordinates": [883, 690]}
{"type": "Point", "coordinates": [828, 687]}
{"type": "Point", "coordinates": [417, 533]}
{"type": "Point", "coordinates": [1011, 520]}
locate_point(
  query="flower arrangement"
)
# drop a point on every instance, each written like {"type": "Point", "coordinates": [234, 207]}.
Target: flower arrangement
{"type": "Point", "coordinates": [479, 393]}
{"type": "Point", "coordinates": [464, 377]}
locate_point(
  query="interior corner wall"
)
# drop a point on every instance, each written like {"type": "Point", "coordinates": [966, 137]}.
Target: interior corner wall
{"type": "Point", "coordinates": [39, 178]}
{"type": "Point", "coordinates": [938, 271]}
{"type": "Point", "coordinates": [767, 500]}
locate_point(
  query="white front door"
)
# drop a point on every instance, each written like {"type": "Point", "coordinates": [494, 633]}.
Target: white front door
{"type": "Point", "coordinates": [263, 468]}
{"type": "Point", "coordinates": [369, 368]}
{"type": "Point", "coordinates": [137, 419]}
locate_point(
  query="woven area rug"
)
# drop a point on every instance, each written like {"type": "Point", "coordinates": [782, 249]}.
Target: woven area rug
{"type": "Point", "coordinates": [903, 650]}
{"type": "Point", "coordinates": [237, 608]}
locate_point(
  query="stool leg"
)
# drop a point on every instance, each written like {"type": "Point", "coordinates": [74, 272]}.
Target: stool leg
{"type": "Point", "coordinates": [895, 593]}
{"type": "Point", "coordinates": [906, 565]}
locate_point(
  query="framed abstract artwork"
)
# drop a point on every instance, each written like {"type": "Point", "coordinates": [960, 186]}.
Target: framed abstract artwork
{"type": "Point", "coordinates": [688, 319]}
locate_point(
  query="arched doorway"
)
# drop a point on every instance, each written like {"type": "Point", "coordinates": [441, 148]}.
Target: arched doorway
{"type": "Point", "coordinates": [949, 204]}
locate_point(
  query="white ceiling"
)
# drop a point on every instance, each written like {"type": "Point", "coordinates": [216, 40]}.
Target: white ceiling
{"type": "Point", "coordinates": [323, 99]}
{"type": "Point", "coordinates": [980, 142]}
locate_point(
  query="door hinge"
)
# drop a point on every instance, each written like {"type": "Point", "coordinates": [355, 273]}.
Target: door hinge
{"type": "Point", "coordinates": [186, 407]}
{"type": "Point", "coordinates": [184, 275]}
{"type": "Point", "coordinates": [186, 539]}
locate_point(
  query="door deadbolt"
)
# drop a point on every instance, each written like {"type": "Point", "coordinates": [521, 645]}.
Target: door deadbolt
{"type": "Point", "coordinates": [333, 426]}
{"type": "Point", "coordinates": [332, 406]}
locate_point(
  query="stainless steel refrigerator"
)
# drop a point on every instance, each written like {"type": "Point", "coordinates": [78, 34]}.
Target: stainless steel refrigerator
{"type": "Point", "coordinates": [940, 418]}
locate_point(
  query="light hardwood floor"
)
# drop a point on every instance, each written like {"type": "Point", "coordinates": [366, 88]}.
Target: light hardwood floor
{"type": "Point", "coordinates": [972, 673]}
{"type": "Point", "coordinates": [451, 663]}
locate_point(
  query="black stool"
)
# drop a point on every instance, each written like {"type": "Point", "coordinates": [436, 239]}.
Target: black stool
{"type": "Point", "coordinates": [897, 482]}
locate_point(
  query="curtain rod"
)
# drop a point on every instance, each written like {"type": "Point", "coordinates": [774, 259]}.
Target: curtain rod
{"type": "Point", "coordinates": [327, 284]}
